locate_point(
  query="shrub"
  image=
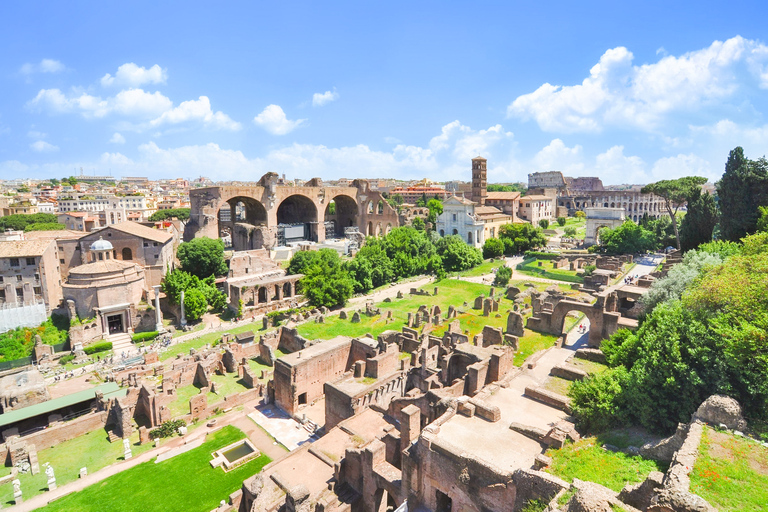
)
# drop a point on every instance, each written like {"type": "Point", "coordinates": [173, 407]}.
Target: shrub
{"type": "Point", "coordinates": [538, 255]}
{"type": "Point", "coordinates": [66, 359]}
{"type": "Point", "coordinates": [570, 231]}
{"type": "Point", "coordinates": [544, 223]}
{"type": "Point", "coordinates": [503, 274]}
{"type": "Point", "coordinates": [98, 347]}
{"type": "Point", "coordinates": [493, 248]}
{"type": "Point", "coordinates": [589, 269]}
{"type": "Point", "coordinates": [144, 336]}
{"type": "Point", "coordinates": [167, 429]}
{"type": "Point", "coordinates": [561, 221]}
{"type": "Point", "coordinates": [596, 400]}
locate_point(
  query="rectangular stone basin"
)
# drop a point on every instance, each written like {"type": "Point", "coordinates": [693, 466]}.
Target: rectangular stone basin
{"type": "Point", "coordinates": [234, 455]}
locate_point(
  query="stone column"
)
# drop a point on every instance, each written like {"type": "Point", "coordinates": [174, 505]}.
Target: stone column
{"type": "Point", "coordinates": [183, 320]}
{"type": "Point", "coordinates": [158, 316]}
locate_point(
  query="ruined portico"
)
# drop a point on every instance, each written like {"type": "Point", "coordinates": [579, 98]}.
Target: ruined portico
{"type": "Point", "coordinates": [269, 214]}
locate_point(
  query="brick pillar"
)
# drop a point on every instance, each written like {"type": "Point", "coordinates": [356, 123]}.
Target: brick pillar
{"type": "Point", "coordinates": [410, 425]}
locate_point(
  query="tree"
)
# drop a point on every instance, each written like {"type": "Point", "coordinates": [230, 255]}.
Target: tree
{"type": "Point", "coordinates": [503, 275]}
{"type": "Point", "coordinates": [20, 221]}
{"type": "Point", "coordinates": [629, 238]}
{"type": "Point", "coordinates": [674, 193]}
{"type": "Point", "coordinates": [435, 209]}
{"type": "Point", "coordinates": [44, 226]}
{"type": "Point", "coordinates": [544, 223]}
{"type": "Point", "coordinates": [521, 237]}
{"type": "Point", "coordinates": [580, 215]}
{"type": "Point", "coordinates": [570, 231]}
{"type": "Point", "coordinates": [202, 257]}
{"type": "Point", "coordinates": [700, 220]}
{"type": "Point", "coordinates": [456, 255]}
{"type": "Point", "coordinates": [561, 221]}
{"type": "Point", "coordinates": [412, 252]}
{"type": "Point", "coordinates": [762, 221]}
{"type": "Point", "coordinates": [418, 223]}
{"type": "Point", "coordinates": [741, 190]}
{"type": "Point", "coordinates": [371, 266]}
{"type": "Point", "coordinates": [493, 248]}
{"type": "Point", "coordinates": [195, 304]}
{"type": "Point", "coordinates": [422, 201]}
{"type": "Point", "coordinates": [180, 213]}
{"type": "Point", "coordinates": [326, 282]}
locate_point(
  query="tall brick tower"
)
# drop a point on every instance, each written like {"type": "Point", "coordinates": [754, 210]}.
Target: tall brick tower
{"type": "Point", "coordinates": [479, 180]}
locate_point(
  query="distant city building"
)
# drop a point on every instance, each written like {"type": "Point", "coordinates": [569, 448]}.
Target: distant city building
{"type": "Point", "coordinates": [536, 208]}
{"type": "Point", "coordinates": [413, 193]}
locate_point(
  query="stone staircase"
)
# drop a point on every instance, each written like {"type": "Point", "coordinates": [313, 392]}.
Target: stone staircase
{"type": "Point", "coordinates": [121, 343]}
{"type": "Point", "coordinates": [112, 436]}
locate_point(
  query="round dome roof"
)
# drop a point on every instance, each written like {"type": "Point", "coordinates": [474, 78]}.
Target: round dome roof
{"type": "Point", "coordinates": [101, 245]}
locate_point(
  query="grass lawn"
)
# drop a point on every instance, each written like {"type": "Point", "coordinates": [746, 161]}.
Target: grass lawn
{"type": "Point", "coordinates": [731, 472]}
{"type": "Point", "coordinates": [225, 385]}
{"type": "Point", "coordinates": [557, 385]}
{"type": "Point", "coordinates": [484, 268]}
{"type": "Point", "coordinates": [92, 450]}
{"type": "Point", "coordinates": [199, 342]}
{"type": "Point", "coordinates": [546, 270]}
{"type": "Point", "coordinates": [587, 460]}
{"type": "Point", "coordinates": [185, 482]}
{"type": "Point", "coordinates": [531, 343]}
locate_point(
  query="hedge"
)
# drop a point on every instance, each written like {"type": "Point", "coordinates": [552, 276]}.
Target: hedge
{"type": "Point", "coordinates": [98, 347]}
{"type": "Point", "coordinates": [144, 336]}
{"type": "Point", "coordinates": [167, 429]}
{"type": "Point", "coordinates": [541, 255]}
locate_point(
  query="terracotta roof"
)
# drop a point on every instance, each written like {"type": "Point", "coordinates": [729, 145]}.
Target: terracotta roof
{"type": "Point", "coordinates": [538, 198]}
{"type": "Point", "coordinates": [486, 210]}
{"type": "Point", "coordinates": [98, 267]}
{"type": "Point", "coordinates": [503, 196]}
{"type": "Point", "coordinates": [75, 214]}
{"type": "Point", "coordinates": [59, 234]}
{"type": "Point", "coordinates": [136, 229]}
{"type": "Point", "coordinates": [24, 248]}
{"type": "Point", "coordinates": [457, 199]}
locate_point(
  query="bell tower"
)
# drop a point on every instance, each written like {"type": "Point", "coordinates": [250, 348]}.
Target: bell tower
{"type": "Point", "coordinates": [479, 180]}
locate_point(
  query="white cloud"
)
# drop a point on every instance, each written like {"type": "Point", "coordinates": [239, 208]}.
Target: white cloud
{"type": "Point", "coordinates": [320, 99]}
{"type": "Point", "coordinates": [117, 139]}
{"type": "Point", "coordinates": [43, 147]}
{"type": "Point", "coordinates": [45, 66]}
{"type": "Point", "coordinates": [672, 167]}
{"type": "Point", "coordinates": [274, 120]}
{"type": "Point", "coordinates": [556, 156]}
{"type": "Point", "coordinates": [133, 76]}
{"type": "Point", "coordinates": [34, 134]}
{"type": "Point", "coordinates": [618, 93]}
{"type": "Point", "coordinates": [130, 102]}
{"type": "Point", "coordinates": [614, 166]}
{"type": "Point", "coordinates": [199, 110]}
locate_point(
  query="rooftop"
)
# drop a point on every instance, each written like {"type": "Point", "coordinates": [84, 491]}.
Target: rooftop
{"type": "Point", "coordinates": [502, 196]}
{"type": "Point", "coordinates": [315, 350]}
{"type": "Point", "coordinates": [136, 229]}
{"type": "Point", "coordinates": [23, 248]}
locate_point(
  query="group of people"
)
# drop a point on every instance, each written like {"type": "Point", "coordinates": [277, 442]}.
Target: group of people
{"type": "Point", "coordinates": [631, 279]}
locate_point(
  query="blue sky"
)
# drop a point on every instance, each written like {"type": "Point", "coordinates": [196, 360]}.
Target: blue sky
{"type": "Point", "coordinates": [631, 92]}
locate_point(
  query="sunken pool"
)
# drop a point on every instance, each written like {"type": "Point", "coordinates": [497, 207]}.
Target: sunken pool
{"type": "Point", "coordinates": [234, 455]}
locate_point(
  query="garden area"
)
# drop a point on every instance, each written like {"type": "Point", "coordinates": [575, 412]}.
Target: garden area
{"type": "Point", "coordinates": [545, 268]}
{"type": "Point", "coordinates": [92, 450]}
{"type": "Point", "coordinates": [731, 472]}
{"type": "Point", "coordinates": [184, 482]}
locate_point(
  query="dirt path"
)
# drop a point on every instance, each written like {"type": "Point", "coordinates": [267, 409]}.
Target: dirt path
{"type": "Point", "coordinates": [391, 292]}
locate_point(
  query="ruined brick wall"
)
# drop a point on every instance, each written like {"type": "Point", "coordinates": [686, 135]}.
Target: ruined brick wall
{"type": "Point", "coordinates": [65, 431]}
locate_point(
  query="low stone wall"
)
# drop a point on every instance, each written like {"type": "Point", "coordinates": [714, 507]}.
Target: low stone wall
{"type": "Point", "coordinates": [548, 397]}
{"type": "Point", "coordinates": [60, 432]}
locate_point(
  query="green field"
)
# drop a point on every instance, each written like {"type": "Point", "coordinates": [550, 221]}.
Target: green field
{"type": "Point", "coordinates": [731, 472]}
{"type": "Point", "coordinates": [211, 337]}
{"type": "Point", "coordinates": [92, 450]}
{"type": "Point", "coordinates": [484, 268]}
{"type": "Point", "coordinates": [546, 270]}
{"type": "Point", "coordinates": [185, 482]}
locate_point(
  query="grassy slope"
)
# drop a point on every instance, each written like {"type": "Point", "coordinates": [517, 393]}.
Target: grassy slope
{"type": "Point", "coordinates": [731, 473]}
{"type": "Point", "coordinates": [186, 482]}
{"type": "Point", "coordinates": [546, 270]}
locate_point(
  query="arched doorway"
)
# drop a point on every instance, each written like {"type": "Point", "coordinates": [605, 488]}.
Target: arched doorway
{"type": "Point", "coordinates": [296, 220]}
{"type": "Point", "coordinates": [127, 254]}
{"type": "Point", "coordinates": [342, 211]}
{"type": "Point", "coordinates": [237, 220]}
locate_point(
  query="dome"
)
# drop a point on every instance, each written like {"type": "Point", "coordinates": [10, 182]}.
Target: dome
{"type": "Point", "coordinates": [101, 245]}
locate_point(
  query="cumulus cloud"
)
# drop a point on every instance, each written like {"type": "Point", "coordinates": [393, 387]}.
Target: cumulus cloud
{"type": "Point", "coordinates": [117, 139]}
{"type": "Point", "coordinates": [198, 110]}
{"type": "Point", "coordinates": [41, 146]}
{"type": "Point", "coordinates": [130, 102]}
{"type": "Point", "coordinates": [131, 75]}
{"type": "Point", "coordinates": [556, 156]}
{"type": "Point", "coordinates": [618, 93]}
{"type": "Point", "coordinates": [45, 66]}
{"type": "Point", "coordinates": [320, 99]}
{"type": "Point", "coordinates": [274, 120]}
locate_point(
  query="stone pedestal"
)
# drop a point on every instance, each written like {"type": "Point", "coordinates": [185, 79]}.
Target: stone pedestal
{"type": "Point", "coordinates": [127, 449]}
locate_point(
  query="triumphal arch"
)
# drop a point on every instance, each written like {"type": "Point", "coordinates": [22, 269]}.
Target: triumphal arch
{"type": "Point", "coordinates": [270, 214]}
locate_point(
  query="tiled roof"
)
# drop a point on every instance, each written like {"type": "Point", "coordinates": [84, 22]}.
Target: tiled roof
{"type": "Point", "coordinates": [503, 196]}
{"type": "Point", "coordinates": [537, 198]}
{"type": "Point", "coordinates": [136, 229]}
{"type": "Point", "coordinates": [23, 248]}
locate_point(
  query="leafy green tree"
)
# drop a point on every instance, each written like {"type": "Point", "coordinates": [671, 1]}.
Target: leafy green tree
{"type": "Point", "coordinates": [580, 215]}
{"type": "Point", "coordinates": [422, 201]}
{"type": "Point", "coordinates": [700, 220]}
{"type": "Point", "coordinates": [195, 304]}
{"type": "Point", "coordinates": [741, 190]}
{"type": "Point", "coordinates": [202, 257]}
{"type": "Point", "coordinates": [762, 221]}
{"type": "Point", "coordinates": [544, 223]}
{"type": "Point", "coordinates": [180, 213]}
{"type": "Point", "coordinates": [325, 281]}
{"type": "Point", "coordinates": [435, 209]}
{"type": "Point", "coordinates": [418, 223]}
{"type": "Point", "coordinates": [456, 254]}
{"type": "Point", "coordinates": [20, 221]}
{"type": "Point", "coordinates": [493, 248]}
{"type": "Point", "coordinates": [521, 237]}
{"type": "Point", "coordinates": [570, 232]}
{"type": "Point", "coordinates": [629, 238]}
{"type": "Point", "coordinates": [411, 251]}
{"type": "Point", "coordinates": [503, 275]}
{"type": "Point", "coordinates": [44, 226]}
{"type": "Point", "coordinates": [561, 221]}
{"type": "Point", "coordinates": [371, 266]}
{"type": "Point", "coordinates": [675, 193]}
